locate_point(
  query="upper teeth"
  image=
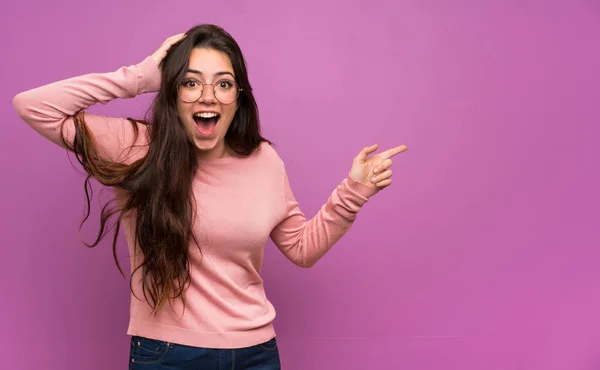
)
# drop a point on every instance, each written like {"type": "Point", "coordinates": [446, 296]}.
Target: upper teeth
{"type": "Point", "coordinates": [205, 114]}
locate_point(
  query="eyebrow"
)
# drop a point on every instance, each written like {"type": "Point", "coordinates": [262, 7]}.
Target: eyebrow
{"type": "Point", "coordinates": [216, 74]}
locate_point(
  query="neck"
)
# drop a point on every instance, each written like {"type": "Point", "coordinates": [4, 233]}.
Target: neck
{"type": "Point", "coordinates": [220, 151]}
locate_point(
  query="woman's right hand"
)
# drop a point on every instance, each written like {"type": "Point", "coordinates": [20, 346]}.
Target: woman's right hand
{"type": "Point", "coordinates": [161, 53]}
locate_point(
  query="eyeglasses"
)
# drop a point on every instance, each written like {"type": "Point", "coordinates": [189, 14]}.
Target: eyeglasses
{"type": "Point", "coordinates": [225, 91]}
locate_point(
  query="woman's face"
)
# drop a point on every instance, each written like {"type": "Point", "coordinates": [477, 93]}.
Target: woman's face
{"type": "Point", "coordinates": [207, 111]}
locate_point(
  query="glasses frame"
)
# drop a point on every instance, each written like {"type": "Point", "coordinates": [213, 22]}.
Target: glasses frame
{"type": "Point", "coordinates": [214, 91]}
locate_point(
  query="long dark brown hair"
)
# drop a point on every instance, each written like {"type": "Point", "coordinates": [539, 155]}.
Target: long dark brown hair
{"type": "Point", "coordinates": [159, 186]}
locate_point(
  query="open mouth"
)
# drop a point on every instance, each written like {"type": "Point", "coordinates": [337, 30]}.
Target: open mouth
{"type": "Point", "coordinates": [206, 122]}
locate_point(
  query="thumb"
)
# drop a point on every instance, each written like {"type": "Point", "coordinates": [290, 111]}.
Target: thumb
{"type": "Point", "coordinates": [364, 153]}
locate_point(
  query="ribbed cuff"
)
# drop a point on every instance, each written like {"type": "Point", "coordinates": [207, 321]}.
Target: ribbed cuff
{"type": "Point", "coordinates": [360, 189]}
{"type": "Point", "coordinates": [149, 76]}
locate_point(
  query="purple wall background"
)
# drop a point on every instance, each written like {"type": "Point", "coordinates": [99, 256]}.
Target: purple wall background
{"type": "Point", "coordinates": [484, 253]}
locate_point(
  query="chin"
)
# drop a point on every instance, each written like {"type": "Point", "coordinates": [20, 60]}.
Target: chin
{"type": "Point", "coordinates": [205, 146]}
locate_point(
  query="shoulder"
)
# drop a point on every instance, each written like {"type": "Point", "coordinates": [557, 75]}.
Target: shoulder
{"type": "Point", "coordinates": [266, 162]}
{"type": "Point", "coordinates": [266, 153]}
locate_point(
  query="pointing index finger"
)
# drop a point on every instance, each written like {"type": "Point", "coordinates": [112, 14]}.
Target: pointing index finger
{"type": "Point", "coordinates": [394, 151]}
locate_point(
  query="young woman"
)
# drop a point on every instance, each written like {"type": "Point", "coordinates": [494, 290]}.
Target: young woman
{"type": "Point", "coordinates": [198, 192]}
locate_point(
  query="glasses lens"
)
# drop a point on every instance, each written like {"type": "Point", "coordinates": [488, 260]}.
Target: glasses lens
{"type": "Point", "coordinates": [190, 91]}
{"type": "Point", "coordinates": [226, 91]}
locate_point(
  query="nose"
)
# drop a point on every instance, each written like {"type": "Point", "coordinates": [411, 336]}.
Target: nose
{"type": "Point", "coordinates": [208, 94]}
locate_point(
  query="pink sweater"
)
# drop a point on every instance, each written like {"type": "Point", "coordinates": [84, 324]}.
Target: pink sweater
{"type": "Point", "coordinates": [242, 202]}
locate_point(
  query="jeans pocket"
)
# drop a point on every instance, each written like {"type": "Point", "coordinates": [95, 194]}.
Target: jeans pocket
{"type": "Point", "coordinates": [147, 351]}
{"type": "Point", "coordinates": [270, 345]}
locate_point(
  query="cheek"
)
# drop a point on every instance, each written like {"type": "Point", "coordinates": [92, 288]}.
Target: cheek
{"type": "Point", "coordinates": [181, 111]}
{"type": "Point", "coordinates": [229, 112]}
{"type": "Point", "coordinates": [184, 116]}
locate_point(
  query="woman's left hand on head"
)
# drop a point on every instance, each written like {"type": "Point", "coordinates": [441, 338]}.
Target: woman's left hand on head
{"type": "Point", "coordinates": [374, 171]}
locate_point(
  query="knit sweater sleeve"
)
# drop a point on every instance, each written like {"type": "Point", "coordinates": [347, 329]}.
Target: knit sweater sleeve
{"type": "Point", "coordinates": [304, 241]}
{"type": "Point", "coordinates": [45, 108]}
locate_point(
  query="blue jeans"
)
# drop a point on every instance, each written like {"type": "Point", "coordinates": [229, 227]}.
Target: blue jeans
{"type": "Point", "coordinates": [151, 354]}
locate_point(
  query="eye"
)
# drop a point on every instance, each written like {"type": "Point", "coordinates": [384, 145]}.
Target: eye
{"type": "Point", "coordinates": [224, 84]}
{"type": "Point", "coordinates": [190, 83]}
